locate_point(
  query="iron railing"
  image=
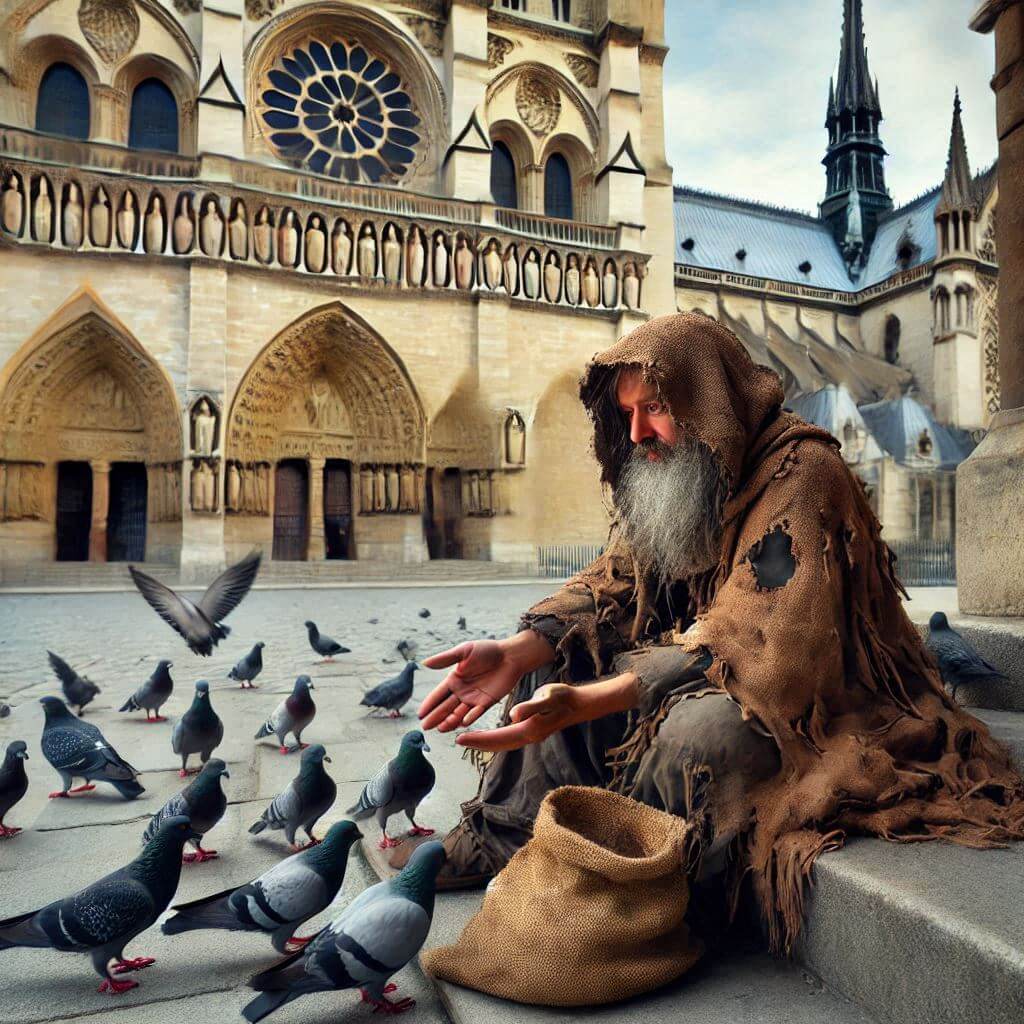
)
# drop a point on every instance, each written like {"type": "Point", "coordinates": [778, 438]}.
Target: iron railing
{"type": "Point", "coordinates": [566, 559]}
{"type": "Point", "coordinates": [925, 563]}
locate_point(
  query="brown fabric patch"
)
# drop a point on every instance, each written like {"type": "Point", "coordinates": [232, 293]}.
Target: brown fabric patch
{"type": "Point", "coordinates": [829, 663]}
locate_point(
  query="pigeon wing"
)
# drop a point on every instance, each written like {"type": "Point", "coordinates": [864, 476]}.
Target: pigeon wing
{"type": "Point", "coordinates": [380, 789]}
{"type": "Point", "coordinates": [176, 805]}
{"type": "Point", "coordinates": [226, 592]}
{"type": "Point", "coordinates": [285, 807]}
{"type": "Point", "coordinates": [115, 906]}
{"type": "Point", "coordinates": [164, 601]}
{"type": "Point", "coordinates": [292, 891]}
{"type": "Point", "coordinates": [177, 736]}
{"type": "Point", "coordinates": [385, 932]}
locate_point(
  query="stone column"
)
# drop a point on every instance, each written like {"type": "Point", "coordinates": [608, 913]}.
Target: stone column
{"type": "Point", "coordinates": [990, 484]}
{"type": "Point", "coordinates": [100, 510]}
{"type": "Point", "coordinates": [317, 549]}
{"type": "Point", "coordinates": [467, 167]}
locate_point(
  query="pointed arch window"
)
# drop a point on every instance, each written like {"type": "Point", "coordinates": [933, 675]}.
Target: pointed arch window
{"type": "Point", "coordinates": [892, 339]}
{"type": "Point", "coordinates": [154, 117]}
{"type": "Point", "coordinates": [62, 106]}
{"type": "Point", "coordinates": [503, 176]}
{"type": "Point", "coordinates": [558, 187]}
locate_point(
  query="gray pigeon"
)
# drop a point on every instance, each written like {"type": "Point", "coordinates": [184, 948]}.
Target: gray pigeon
{"type": "Point", "coordinates": [327, 647]}
{"type": "Point", "coordinates": [400, 785]}
{"type": "Point", "coordinates": [374, 937]}
{"type": "Point", "coordinates": [198, 731]}
{"type": "Point", "coordinates": [424, 613]}
{"type": "Point", "coordinates": [203, 802]}
{"type": "Point", "coordinates": [5, 710]}
{"type": "Point", "coordinates": [305, 800]}
{"type": "Point", "coordinates": [153, 693]}
{"type": "Point", "coordinates": [78, 691]}
{"type": "Point", "coordinates": [104, 917]}
{"type": "Point", "coordinates": [393, 694]}
{"type": "Point", "coordinates": [77, 749]}
{"type": "Point", "coordinates": [249, 667]}
{"type": "Point", "coordinates": [277, 902]}
{"type": "Point", "coordinates": [959, 663]}
{"type": "Point", "coordinates": [461, 622]}
{"type": "Point", "coordinates": [199, 624]}
{"type": "Point", "coordinates": [13, 783]}
{"type": "Point", "coordinates": [292, 715]}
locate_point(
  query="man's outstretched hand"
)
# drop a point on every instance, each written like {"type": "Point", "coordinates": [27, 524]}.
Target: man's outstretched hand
{"type": "Point", "coordinates": [551, 708]}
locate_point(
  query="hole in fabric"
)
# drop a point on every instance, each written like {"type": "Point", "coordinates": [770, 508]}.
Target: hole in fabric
{"type": "Point", "coordinates": [772, 560]}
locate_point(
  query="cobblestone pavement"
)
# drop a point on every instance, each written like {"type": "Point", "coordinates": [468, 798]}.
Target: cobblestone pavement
{"type": "Point", "coordinates": [116, 639]}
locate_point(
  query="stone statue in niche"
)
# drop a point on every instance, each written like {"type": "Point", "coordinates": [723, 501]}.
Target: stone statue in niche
{"type": "Point", "coordinates": [247, 502]}
{"type": "Point", "coordinates": [531, 275]}
{"type": "Point", "coordinates": [463, 264]}
{"type": "Point", "coordinates": [515, 438]}
{"type": "Point", "coordinates": [511, 270]}
{"type": "Point", "coordinates": [366, 252]}
{"type": "Point", "coordinates": [379, 494]}
{"type": "Point", "coordinates": [238, 232]}
{"type": "Point", "coordinates": [211, 228]}
{"type": "Point", "coordinates": [72, 217]}
{"type": "Point", "coordinates": [440, 262]}
{"type": "Point", "coordinates": [263, 236]}
{"type": "Point", "coordinates": [487, 492]}
{"type": "Point", "coordinates": [415, 258]}
{"type": "Point", "coordinates": [127, 221]}
{"type": "Point", "coordinates": [610, 285]}
{"type": "Point", "coordinates": [552, 277]}
{"type": "Point", "coordinates": [42, 212]}
{"type": "Point", "coordinates": [392, 256]}
{"type": "Point", "coordinates": [155, 222]}
{"type": "Point", "coordinates": [288, 240]}
{"type": "Point", "coordinates": [341, 248]}
{"type": "Point", "coordinates": [13, 206]}
{"type": "Point", "coordinates": [474, 493]}
{"type": "Point", "coordinates": [99, 219]}
{"type": "Point", "coordinates": [204, 486]}
{"type": "Point", "coordinates": [572, 280]}
{"type": "Point", "coordinates": [21, 492]}
{"type": "Point", "coordinates": [316, 245]}
{"type": "Point", "coordinates": [391, 487]}
{"type": "Point", "coordinates": [492, 265]}
{"type": "Point", "coordinates": [630, 286]}
{"type": "Point", "coordinates": [591, 284]}
{"type": "Point", "coordinates": [183, 229]}
{"type": "Point", "coordinates": [234, 487]}
{"type": "Point", "coordinates": [421, 488]}
{"type": "Point", "coordinates": [263, 488]}
{"type": "Point", "coordinates": [365, 489]}
{"type": "Point", "coordinates": [406, 489]}
{"type": "Point", "coordinates": [204, 427]}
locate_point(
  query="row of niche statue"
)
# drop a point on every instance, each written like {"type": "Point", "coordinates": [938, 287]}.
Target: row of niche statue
{"type": "Point", "coordinates": [248, 487]}
{"type": "Point", "coordinates": [21, 490]}
{"type": "Point", "coordinates": [390, 488]}
{"type": "Point", "coordinates": [164, 492]}
{"type": "Point", "coordinates": [203, 489]}
{"type": "Point", "coordinates": [478, 492]}
{"type": "Point", "coordinates": [494, 269]}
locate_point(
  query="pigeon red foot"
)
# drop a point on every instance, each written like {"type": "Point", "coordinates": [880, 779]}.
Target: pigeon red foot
{"type": "Point", "coordinates": [124, 966]}
{"type": "Point", "coordinates": [199, 857]}
{"type": "Point", "coordinates": [295, 943]}
{"type": "Point", "coordinates": [8, 831]}
{"type": "Point", "coordinates": [395, 714]}
{"type": "Point", "coordinates": [388, 1006]}
{"type": "Point", "coordinates": [420, 830]}
{"type": "Point", "coordinates": [66, 794]}
{"type": "Point", "coordinates": [115, 986]}
{"type": "Point", "coordinates": [299, 847]}
{"type": "Point", "coordinates": [185, 772]}
{"type": "Point", "coordinates": [155, 718]}
{"type": "Point", "coordinates": [387, 843]}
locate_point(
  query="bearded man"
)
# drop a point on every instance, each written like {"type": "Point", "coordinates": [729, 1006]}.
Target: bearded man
{"type": "Point", "coordinates": [739, 654]}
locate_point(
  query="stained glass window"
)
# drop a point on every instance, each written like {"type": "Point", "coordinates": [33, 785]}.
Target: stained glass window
{"type": "Point", "coordinates": [62, 107]}
{"type": "Point", "coordinates": [557, 187]}
{"type": "Point", "coordinates": [154, 117]}
{"type": "Point", "coordinates": [503, 176]}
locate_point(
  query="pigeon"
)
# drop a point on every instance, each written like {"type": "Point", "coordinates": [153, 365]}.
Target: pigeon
{"type": "Point", "coordinates": [198, 731]}
{"type": "Point", "coordinates": [407, 649]}
{"type": "Point", "coordinates": [293, 714]}
{"type": "Point", "coordinates": [400, 785]}
{"type": "Point", "coordinates": [392, 694]}
{"type": "Point", "coordinates": [78, 690]}
{"type": "Point", "coordinates": [374, 937]}
{"type": "Point", "coordinates": [104, 917]}
{"type": "Point", "coordinates": [325, 646]}
{"type": "Point", "coordinates": [199, 624]}
{"type": "Point", "coordinates": [305, 800]}
{"type": "Point", "coordinates": [77, 749]}
{"type": "Point", "coordinates": [424, 613]}
{"type": "Point", "coordinates": [153, 693]}
{"type": "Point", "coordinates": [13, 783]}
{"type": "Point", "coordinates": [959, 663]}
{"type": "Point", "coordinates": [277, 902]}
{"type": "Point", "coordinates": [203, 802]}
{"type": "Point", "coordinates": [5, 710]}
{"type": "Point", "coordinates": [249, 667]}
{"type": "Point", "coordinates": [461, 623]}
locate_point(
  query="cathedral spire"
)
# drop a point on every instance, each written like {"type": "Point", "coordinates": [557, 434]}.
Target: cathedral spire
{"type": "Point", "coordinates": [854, 89]}
{"type": "Point", "coordinates": [956, 187]}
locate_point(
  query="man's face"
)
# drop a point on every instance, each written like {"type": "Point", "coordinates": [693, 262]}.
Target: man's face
{"type": "Point", "coordinates": [650, 419]}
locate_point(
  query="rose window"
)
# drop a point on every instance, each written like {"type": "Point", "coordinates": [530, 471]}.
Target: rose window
{"type": "Point", "coordinates": [340, 111]}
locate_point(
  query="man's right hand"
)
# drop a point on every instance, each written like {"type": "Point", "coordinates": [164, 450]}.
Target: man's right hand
{"type": "Point", "coordinates": [485, 671]}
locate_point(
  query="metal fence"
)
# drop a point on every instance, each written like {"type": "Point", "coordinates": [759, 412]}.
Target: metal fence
{"type": "Point", "coordinates": [566, 559]}
{"type": "Point", "coordinates": [925, 563]}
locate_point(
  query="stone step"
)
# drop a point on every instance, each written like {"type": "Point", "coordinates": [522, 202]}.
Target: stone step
{"type": "Point", "coordinates": [923, 933]}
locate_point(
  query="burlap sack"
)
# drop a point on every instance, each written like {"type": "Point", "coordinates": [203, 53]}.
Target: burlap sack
{"type": "Point", "coordinates": [589, 911]}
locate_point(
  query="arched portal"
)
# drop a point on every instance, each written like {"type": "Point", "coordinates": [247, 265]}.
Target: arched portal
{"type": "Point", "coordinates": [328, 392]}
{"type": "Point", "coordinates": [90, 444]}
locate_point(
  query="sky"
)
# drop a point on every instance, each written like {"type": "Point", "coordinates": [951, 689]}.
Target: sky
{"type": "Point", "coordinates": [746, 88]}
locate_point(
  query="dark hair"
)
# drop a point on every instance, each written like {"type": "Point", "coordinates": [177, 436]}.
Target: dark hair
{"type": "Point", "coordinates": [612, 446]}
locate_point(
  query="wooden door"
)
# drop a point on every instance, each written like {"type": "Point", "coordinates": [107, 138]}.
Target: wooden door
{"type": "Point", "coordinates": [451, 502]}
{"type": "Point", "coordinates": [126, 518]}
{"type": "Point", "coordinates": [433, 528]}
{"type": "Point", "coordinates": [338, 508]}
{"type": "Point", "coordinates": [291, 511]}
{"type": "Point", "coordinates": [74, 511]}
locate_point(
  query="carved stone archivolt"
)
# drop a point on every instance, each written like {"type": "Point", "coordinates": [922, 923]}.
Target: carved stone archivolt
{"type": "Point", "coordinates": [584, 69]}
{"type": "Point", "coordinates": [538, 103]}
{"type": "Point", "coordinates": [326, 387]}
{"type": "Point", "coordinates": [110, 26]}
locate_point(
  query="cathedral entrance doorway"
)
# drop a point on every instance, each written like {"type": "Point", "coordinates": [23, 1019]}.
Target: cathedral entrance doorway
{"type": "Point", "coordinates": [126, 522]}
{"type": "Point", "coordinates": [291, 511]}
{"type": "Point", "coordinates": [74, 511]}
{"type": "Point", "coordinates": [338, 508]}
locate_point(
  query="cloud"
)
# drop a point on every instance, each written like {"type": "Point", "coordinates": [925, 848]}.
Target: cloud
{"type": "Point", "coordinates": [746, 85]}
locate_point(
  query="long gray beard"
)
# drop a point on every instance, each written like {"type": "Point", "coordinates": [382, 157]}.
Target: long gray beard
{"type": "Point", "coordinates": [671, 509]}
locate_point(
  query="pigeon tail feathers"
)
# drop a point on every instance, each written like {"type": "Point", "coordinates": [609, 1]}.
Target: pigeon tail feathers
{"type": "Point", "coordinates": [128, 788]}
{"type": "Point", "coordinates": [265, 1004]}
{"type": "Point", "coordinates": [130, 705]}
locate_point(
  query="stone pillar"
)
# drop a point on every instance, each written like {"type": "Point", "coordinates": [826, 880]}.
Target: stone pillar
{"type": "Point", "coordinates": [467, 165]}
{"type": "Point", "coordinates": [990, 484]}
{"type": "Point", "coordinates": [109, 116]}
{"type": "Point", "coordinates": [100, 510]}
{"type": "Point", "coordinates": [317, 549]}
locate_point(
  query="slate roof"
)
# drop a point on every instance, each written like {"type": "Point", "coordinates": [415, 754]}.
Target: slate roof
{"type": "Point", "coordinates": [897, 425]}
{"type": "Point", "coordinates": [916, 222]}
{"type": "Point", "coordinates": [834, 409]}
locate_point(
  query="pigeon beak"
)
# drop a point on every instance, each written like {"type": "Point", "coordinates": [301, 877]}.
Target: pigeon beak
{"type": "Point", "coordinates": [359, 835]}
{"type": "Point", "coordinates": [24, 755]}
{"type": "Point", "coordinates": [426, 747]}
{"type": "Point", "coordinates": [327, 759]}
{"type": "Point", "coordinates": [226, 774]}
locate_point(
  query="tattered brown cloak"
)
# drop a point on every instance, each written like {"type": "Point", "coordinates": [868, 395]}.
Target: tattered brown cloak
{"type": "Point", "coordinates": [825, 658]}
